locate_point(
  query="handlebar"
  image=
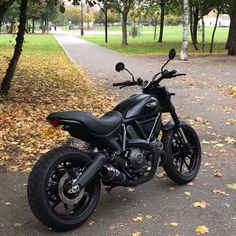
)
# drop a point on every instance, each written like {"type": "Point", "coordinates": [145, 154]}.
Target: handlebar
{"type": "Point", "coordinates": [126, 83]}
{"type": "Point", "coordinates": [165, 75]}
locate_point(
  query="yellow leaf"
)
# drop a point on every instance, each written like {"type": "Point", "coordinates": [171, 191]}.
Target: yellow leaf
{"type": "Point", "coordinates": [91, 222]}
{"type": "Point", "coordinates": [17, 225]}
{"type": "Point", "coordinates": [202, 229]}
{"type": "Point", "coordinates": [174, 224]}
{"type": "Point", "coordinates": [219, 191]}
{"type": "Point", "coordinates": [187, 193]}
{"type": "Point", "coordinates": [201, 204]}
{"type": "Point", "coordinates": [7, 203]}
{"type": "Point", "coordinates": [218, 174]}
{"type": "Point", "coordinates": [137, 234]}
{"type": "Point", "coordinates": [231, 186]}
{"type": "Point", "coordinates": [148, 216]}
{"type": "Point", "coordinates": [190, 184]}
{"type": "Point", "coordinates": [138, 219]}
{"type": "Point", "coordinates": [131, 190]}
{"type": "Point", "coordinates": [230, 140]}
{"type": "Point", "coordinates": [161, 174]}
{"type": "Point", "coordinates": [205, 142]}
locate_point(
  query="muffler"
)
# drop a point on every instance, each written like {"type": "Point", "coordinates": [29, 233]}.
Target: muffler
{"type": "Point", "coordinates": [112, 176]}
{"type": "Point", "coordinates": [91, 171]}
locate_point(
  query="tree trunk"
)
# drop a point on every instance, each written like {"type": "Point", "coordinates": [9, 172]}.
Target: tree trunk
{"type": "Point", "coordinates": [155, 28]}
{"type": "Point", "coordinates": [11, 26]}
{"type": "Point", "coordinates": [106, 25]}
{"type": "Point", "coordinates": [124, 27]}
{"type": "Point", "coordinates": [5, 86]}
{"type": "Point", "coordinates": [191, 26]}
{"type": "Point", "coordinates": [162, 5]}
{"type": "Point", "coordinates": [47, 25]}
{"type": "Point", "coordinates": [184, 49]}
{"type": "Point", "coordinates": [33, 25]}
{"type": "Point", "coordinates": [232, 35]}
{"type": "Point", "coordinates": [203, 34]}
{"type": "Point", "coordinates": [214, 30]}
{"type": "Point", "coordinates": [195, 24]}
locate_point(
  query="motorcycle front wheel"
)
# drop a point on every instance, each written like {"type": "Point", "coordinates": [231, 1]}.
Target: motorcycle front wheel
{"type": "Point", "coordinates": [183, 162]}
{"type": "Point", "coordinates": [49, 193]}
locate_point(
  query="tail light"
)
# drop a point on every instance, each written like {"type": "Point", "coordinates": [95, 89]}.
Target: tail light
{"type": "Point", "coordinates": [54, 122]}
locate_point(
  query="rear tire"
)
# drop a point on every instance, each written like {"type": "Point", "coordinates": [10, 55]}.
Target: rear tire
{"type": "Point", "coordinates": [43, 190]}
{"type": "Point", "coordinates": [178, 157]}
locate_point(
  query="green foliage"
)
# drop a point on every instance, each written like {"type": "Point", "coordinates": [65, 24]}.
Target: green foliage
{"type": "Point", "coordinates": [146, 45]}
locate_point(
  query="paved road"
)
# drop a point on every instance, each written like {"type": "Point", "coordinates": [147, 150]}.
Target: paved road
{"type": "Point", "coordinates": [202, 94]}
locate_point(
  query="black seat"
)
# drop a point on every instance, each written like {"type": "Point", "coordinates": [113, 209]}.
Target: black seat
{"type": "Point", "coordinates": [103, 125]}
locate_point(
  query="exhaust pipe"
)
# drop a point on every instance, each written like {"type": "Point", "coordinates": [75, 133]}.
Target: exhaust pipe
{"type": "Point", "coordinates": [111, 175]}
{"type": "Point", "coordinates": [91, 172]}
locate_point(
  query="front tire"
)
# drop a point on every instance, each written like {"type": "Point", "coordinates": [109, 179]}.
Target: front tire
{"type": "Point", "coordinates": [182, 165]}
{"type": "Point", "coordinates": [48, 183]}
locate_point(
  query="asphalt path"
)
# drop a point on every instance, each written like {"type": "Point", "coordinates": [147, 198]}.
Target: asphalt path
{"type": "Point", "coordinates": [202, 100]}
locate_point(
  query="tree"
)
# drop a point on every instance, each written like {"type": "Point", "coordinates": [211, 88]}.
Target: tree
{"type": "Point", "coordinates": [18, 48]}
{"type": "Point", "coordinates": [162, 8]}
{"type": "Point", "coordinates": [184, 49]}
{"type": "Point", "coordinates": [218, 3]}
{"type": "Point", "coordinates": [5, 86]}
{"type": "Point", "coordinates": [4, 6]}
{"type": "Point", "coordinates": [123, 6]}
{"type": "Point", "coordinates": [232, 30]}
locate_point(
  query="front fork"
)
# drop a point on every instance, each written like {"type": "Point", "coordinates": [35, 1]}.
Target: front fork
{"type": "Point", "coordinates": [178, 126]}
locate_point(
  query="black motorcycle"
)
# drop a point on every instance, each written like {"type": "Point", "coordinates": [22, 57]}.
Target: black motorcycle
{"type": "Point", "coordinates": [128, 144]}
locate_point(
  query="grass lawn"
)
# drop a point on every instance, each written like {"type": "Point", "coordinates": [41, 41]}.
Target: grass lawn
{"type": "Point", "coordinates": [145, 44]}
{"type": "Point", "coordinates": [45, 81]}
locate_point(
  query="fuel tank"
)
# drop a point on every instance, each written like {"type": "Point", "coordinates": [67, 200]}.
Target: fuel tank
{"type": "Point", "coordinates": [138, 105]}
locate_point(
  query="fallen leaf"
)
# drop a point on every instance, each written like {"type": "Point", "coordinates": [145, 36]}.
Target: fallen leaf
{"type": "Point", "coordinates": [231, 186]}
{"type": "Point", "coordinates": [205, 142]}
{"type": "Point", "coordinates": [161, 174]}
{"type": "Point", "coordinates": [217, 173]}
{"type": "Point", "coordinates": [174, 224]}
{"type": "Point", "coordinates": [17, 225]}
{"type": "Point", "coordinates": [138, 219]}
{"type": "Point", "coordinates": [7, 203]}
{"type": "Point", "coordinates": [190, 184]}
{"type": "Point", "coordinates": [202, 229]}
{"type": "Point", "coordinates": [219, 191]}
{"type": "Point", "coordinates": [130, 189]}
{"type": "Point", "coordinates": [91, 222]}
{"type": "Point", "coordinates": [219, 145]}
{"type": "Point", "coordinates": [137, 234]}
{"type": "Point", "coordinates": [148, 217]}
{"type": "Point", "coordinates": [187, 193]}
{"type": "Point", "coordinates": [230, 140]}
{"type": "Point", "coordinates": [201, 204]}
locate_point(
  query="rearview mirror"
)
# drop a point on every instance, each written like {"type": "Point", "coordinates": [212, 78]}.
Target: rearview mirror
{"type": "Point", "coordinates": [120, 66]}
{"type": "Point", "coordinates": [172, 54]}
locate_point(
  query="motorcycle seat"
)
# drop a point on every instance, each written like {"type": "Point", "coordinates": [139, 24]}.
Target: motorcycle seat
{"type": "Point", "coordinates": [103, 125]}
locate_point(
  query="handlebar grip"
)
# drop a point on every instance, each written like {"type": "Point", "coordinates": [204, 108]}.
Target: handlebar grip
{"type": "Point", "coordinates": [178, 75]}
{"type": "Point", "coordinates": [118, 84]}
{"type": "Point", "coordinates": [172, 72]}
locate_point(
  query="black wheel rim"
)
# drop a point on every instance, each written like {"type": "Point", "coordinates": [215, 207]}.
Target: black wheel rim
{"type": "Point", "coordinates": [56, 204]}
{"type": "Point", "coordinates": [184, 160]}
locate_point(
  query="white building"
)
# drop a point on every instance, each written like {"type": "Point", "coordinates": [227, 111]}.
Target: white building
{"type": "Point", "coordinates": [223, 21]}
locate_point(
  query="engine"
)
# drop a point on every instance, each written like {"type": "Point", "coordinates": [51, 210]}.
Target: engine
{"type": "Point", "coordinates": [138, 160]}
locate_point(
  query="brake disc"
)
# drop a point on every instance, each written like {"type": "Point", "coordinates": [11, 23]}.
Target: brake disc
{"type": "Point", "coordinates": [68, 198]}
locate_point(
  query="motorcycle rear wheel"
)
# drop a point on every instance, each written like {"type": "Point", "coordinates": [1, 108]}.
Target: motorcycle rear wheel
{"type": "Point", "coordinates": [48, 190]}
{"type": "Point", "coordinates": [182, 166]}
